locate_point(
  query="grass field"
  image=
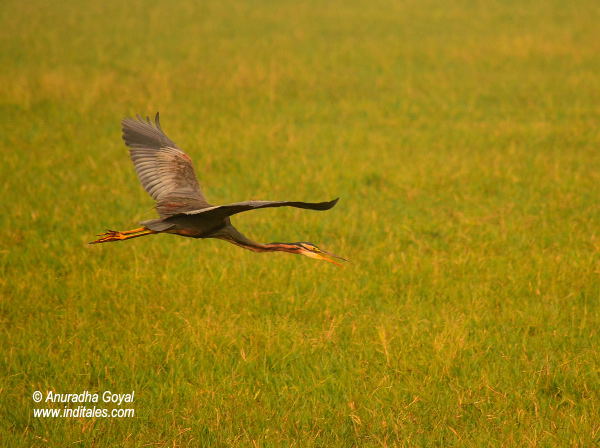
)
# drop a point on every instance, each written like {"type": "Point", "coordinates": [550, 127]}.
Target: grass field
{"type": "Point", "coordinates": [463, 139]}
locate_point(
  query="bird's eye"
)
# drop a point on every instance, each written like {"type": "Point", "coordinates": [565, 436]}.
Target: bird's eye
{"type": "Point", "coordinates": [310, 247]}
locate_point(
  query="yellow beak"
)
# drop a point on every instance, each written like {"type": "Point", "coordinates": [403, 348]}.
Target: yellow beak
{"type": "Point", "coordinates": [331, 258]}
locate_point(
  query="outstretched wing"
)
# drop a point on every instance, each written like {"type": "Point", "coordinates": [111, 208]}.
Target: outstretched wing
{"type": "Point", "coordinates": [165, 171]}
{"type": "Point", "coordinates": [223, 211]}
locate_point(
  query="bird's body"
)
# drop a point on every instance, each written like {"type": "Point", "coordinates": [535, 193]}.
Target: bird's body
{"type": "Point", "coordinates": [167, 174]}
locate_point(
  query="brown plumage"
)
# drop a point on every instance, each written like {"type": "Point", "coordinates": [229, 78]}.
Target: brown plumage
{"type": "Point", "coordinates": [167, 174]}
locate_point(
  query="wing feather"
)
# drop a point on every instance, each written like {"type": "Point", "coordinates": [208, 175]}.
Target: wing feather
{"type": "Point", "coordinates": [164, 170]}
{"type": "Point", "coordinates": [223, 211]}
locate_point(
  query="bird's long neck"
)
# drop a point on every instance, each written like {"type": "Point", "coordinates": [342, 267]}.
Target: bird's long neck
{"type": "Point", "coordinates": [234, 236]}
{"type": "Point", "coordinates": [269, 247]}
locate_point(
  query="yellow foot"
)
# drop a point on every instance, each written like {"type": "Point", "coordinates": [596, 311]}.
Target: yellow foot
{"type": "Point", "coordinates": [113, 235]}
{"type": "Point", "coordinates": [110, 235]}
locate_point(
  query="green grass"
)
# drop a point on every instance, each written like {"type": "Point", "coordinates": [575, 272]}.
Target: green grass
{"type": "Point", "coordinates": [463, 139]}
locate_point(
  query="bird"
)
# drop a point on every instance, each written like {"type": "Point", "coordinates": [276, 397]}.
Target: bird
{"type": "Point", "coordinates": [167, 173]}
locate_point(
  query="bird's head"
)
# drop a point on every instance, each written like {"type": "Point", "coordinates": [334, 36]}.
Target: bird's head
{"type": "Point", "coordinates": [312, 251]}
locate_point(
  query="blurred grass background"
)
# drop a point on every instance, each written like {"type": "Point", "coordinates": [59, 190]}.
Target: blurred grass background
{"type": "Point", "coordinates": [463, 140]}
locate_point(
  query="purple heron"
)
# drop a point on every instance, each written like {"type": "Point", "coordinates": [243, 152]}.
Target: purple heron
{"type": "Point", "coordinates": [167, 174]}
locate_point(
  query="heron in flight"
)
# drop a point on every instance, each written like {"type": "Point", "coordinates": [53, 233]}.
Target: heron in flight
{"type": "Point", "coordinates": [167, 174]}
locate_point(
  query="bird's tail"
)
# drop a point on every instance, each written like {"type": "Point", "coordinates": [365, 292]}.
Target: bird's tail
{"type": "Point", "coordinates": [114, 235]}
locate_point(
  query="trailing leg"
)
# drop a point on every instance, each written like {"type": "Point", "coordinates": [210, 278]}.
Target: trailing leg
{"type": "Point", "coordinates": [113, 235]}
